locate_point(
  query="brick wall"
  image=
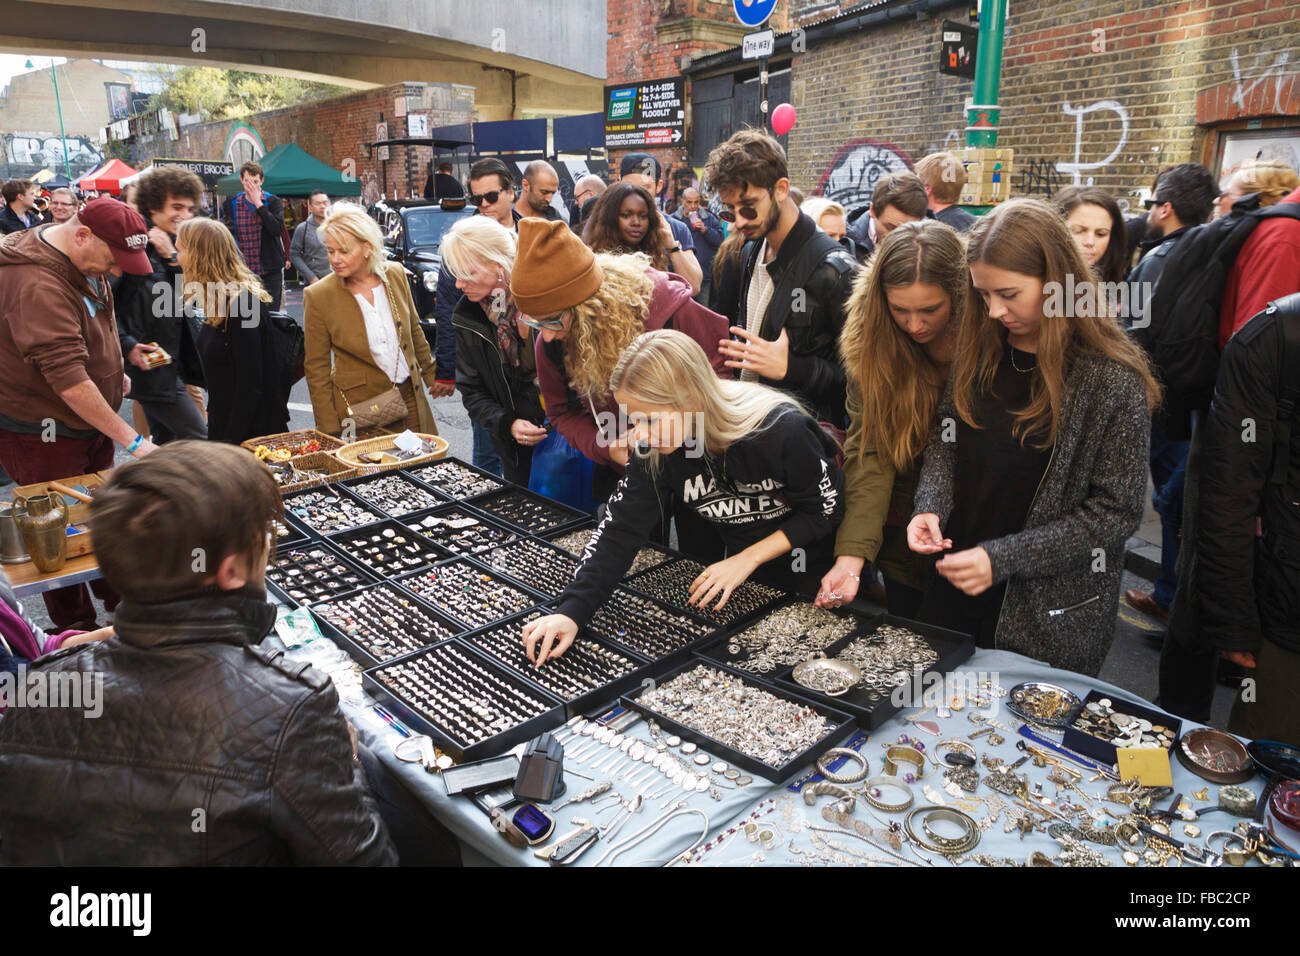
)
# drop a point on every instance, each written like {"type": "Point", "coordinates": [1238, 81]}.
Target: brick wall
{"type": "Point", "coordinates": [332, 130]}
{"type": "Point", "coordinates": [1109, 90]}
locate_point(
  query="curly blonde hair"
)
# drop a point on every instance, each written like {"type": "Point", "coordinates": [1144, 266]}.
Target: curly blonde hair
{"type": "Point", "coordinates": [607, 323]}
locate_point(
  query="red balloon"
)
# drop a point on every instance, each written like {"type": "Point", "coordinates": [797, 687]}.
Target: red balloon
{"type": "Point", "coordinates": [783, 118]}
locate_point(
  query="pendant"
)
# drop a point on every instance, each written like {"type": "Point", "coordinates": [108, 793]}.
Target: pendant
{"type": "Point", "coordinates": [929, 726]}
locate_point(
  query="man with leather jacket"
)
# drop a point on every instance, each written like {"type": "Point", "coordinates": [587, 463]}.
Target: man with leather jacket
{"type": "Point", "coordinates": [785, 293]}
{"type": "Point", "coordinates": [204, 747]}
{"type": "Point", "coordinates": [151, 313]}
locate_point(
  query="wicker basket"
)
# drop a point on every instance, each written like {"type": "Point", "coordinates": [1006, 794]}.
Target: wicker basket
{"type": "Point", "coordinates": [384, 443]}
{"type": "Point", "coordinates": [328, 443]}
{"type": "Point", "coordinates": [334, 470]}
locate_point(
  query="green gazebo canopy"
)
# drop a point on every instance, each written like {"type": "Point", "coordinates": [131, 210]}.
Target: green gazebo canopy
{"type": "Point", "coordinates": [292, 171]}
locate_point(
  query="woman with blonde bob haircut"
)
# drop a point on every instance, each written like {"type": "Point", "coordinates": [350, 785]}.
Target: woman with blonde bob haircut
{"type": "Point", "coordinates": [247, 394]}
{"type": "Point", "coordinates": [1035, 472]}
{"type": "Point", "coordinates": [496, 368]}
{"type": "Point", "coordinates": [586, 309]}
{"type": "Point", "coordinates": [746, 458]}
{"type": "Point", "coordinates": [897, 347]}
{"type": "Point", "coordinates": [362, 316]}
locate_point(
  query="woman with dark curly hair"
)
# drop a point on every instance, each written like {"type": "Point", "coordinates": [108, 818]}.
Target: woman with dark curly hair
{"type": "Point", "coordinates": [625, 220]}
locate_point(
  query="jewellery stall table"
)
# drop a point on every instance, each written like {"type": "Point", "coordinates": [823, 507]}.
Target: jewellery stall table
{"type": "Point", "coordinates": [784, 812]}
{"type": "Point", "coordinates": [28, 581]}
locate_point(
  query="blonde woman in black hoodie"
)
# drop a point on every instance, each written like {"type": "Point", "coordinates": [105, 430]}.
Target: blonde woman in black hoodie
{"type": "Point", "coordinates": [745, 457]}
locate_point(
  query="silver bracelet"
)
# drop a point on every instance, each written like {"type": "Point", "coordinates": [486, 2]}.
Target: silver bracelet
{"type": "Point", "coordinates": [871, 793]}
{"type": "Point", "coordinates": [832, 777]}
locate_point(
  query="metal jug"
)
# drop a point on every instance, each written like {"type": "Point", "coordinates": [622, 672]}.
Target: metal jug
{"type": "Point", "coordinates": [44, 525]}
{"type": "Point", "coordinates": [12, 548]}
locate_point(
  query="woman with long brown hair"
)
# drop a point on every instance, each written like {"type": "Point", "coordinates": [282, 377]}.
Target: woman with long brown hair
{"type": "Point", "coordinates": [625, 220]}
{"type": "Point", "coordinates": [897, 346]}
{"type": "Point", "coordinates": [1035, 471]}
{"type": "Point", "coordinates": [247, 394]}
{"type": "Point", "coordinates": [1097, 227]}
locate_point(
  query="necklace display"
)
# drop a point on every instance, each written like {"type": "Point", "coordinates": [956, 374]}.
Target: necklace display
{"type": "Point", "coordinates": [671, 582]}
{"type": "Point", "coordinates": [384, 621]}
{"type": "Point", "coordinates": [326, 511]}
{"type": "Point", "coordinates": [460, 532]}
{"type": "Point", "coordinates": [787, 636]}
{"type": "Point", "coordinates": [543, 568]}
{"type": "Point", "coordinates": [743, 717]}
{"type": "Point", "coordinates": [456, 480]}
{"type": "Point", "coordinates": [586, 666]}
{"type": "Point", "coordinates": [643, 626]}
{"type": "Point", "coordinates": [471, 596]}
{"type": "Point", "coordinates": [394, 495]}
{"type": "Point", "coordinates": [388, 549]}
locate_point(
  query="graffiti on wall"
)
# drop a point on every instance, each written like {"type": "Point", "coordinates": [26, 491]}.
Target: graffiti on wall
{"type": "Point", "coordinates": [1276, 70]}
{"type": "Point", "coordinates": [856, 168]}
{"type": "Point", "coordinates": [46, 149]}
{"type": "Point", "coordinates": [1036, 177]}
{"type": "Point", "coordinates": [1080, 113]}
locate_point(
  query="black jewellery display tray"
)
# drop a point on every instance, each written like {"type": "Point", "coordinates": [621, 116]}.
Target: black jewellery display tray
{"type": "Point", "coordinates": [953, 647]}
{"type": "Point", "coordinates": [353, 486]}
{"type": "Point", "coordinates": [281, 590]}
{"type": "Point", "coordinates": [554, 716]}
{"type": "Point", "coordinates": [291, 499]}
{"type": "Point", "coordinates": [729, 618]}
{"type": "Point", "coordinates": [556, 517]}
{"type": "Point", "coordinates": [1103, 750]}
{"type": "Point", "coordinates": [842, 725]}
{"type": "Point", "coordinates": [515, 558]}
{"type": "Point", "coordinates": [424, 474]}
{"type": "Point", "coordinates": [459, 512]}
{"type": "Point", "coordinates": [349, 544]}
{"type": "Point", "coordinates": [361, 654]}
{"type": "Point", "coordinates": [664, 554]}
{"type": "Point", "coordinates": [588, 702]}
{"type": "Point", "coordinates": [297, 533]}
{"type": "Point", "coordinates": [597, 628]}
{"type": "Point", "coordinates": [477, 571]}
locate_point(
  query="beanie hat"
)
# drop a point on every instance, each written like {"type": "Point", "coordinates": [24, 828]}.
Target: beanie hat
{"type": "Point", "coordinates": [554, 269]}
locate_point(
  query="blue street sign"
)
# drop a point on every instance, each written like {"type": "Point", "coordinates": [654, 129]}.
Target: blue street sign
{"type": "Point", "coordinates": [753, 13]}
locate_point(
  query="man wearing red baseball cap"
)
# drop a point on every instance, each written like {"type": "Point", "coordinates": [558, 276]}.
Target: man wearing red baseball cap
{"type": "Point", "coordinates": [61, 377]}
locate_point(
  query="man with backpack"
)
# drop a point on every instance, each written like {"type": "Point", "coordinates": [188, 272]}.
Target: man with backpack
{"type": "Point", "coordinates": [1248, 534]}
{"type": "Point", "coordinates": [1266, 268]}
{"type": "Point", "coordinates": [1184, 198]}
{"type": "Point", "coordinates": [785, 293]}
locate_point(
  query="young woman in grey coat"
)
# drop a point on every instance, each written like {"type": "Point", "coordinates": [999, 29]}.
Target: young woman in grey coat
{"type": "Point", "coordinates": [1035, 472]}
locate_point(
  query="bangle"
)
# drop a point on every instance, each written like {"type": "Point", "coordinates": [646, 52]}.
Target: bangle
{"type": "Point", "coordinates": [676, 248]}
{"type": "Point", "coordinates": [131, 448]}
{"type": "Point", "coordinates": [871, 793]}
{"type": "Point", "coordinates": [849, 777]}
{"type": "Point", "coordinates": [906, 755]}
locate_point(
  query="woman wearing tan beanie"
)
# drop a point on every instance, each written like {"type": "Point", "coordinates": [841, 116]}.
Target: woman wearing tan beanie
{"type": "Point", "coordinates": [587, 308]}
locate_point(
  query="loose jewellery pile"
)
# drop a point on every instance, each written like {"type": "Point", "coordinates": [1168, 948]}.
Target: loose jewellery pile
{"type": "Point", "coordinates": [1099, 719]}
{"type": "Point", "coordinates": [887, 658]}
{"type": "Point", "coordinates": [741, 716]}
{"type": "Point", "coordinates": [394, 494]}
{"type": "Point", "coordinates": [787, 636]}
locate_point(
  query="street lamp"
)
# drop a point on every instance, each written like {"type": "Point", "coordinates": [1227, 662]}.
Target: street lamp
{"type": "Point", "coordinates": [63, 137]}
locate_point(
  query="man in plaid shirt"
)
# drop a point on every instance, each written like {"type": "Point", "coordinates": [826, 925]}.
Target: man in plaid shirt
{"type": "Point", "coordinates": [257, 220]}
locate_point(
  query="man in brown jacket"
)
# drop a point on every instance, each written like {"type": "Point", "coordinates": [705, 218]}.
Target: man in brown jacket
{"type": "Point", "coordinates": [61, 377]}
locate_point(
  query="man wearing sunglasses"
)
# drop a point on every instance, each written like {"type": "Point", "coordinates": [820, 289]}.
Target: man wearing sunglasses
{"type": "Point", "coordinates": [492, 193]}
{"type": "Point", "coordinates": [785, 294]}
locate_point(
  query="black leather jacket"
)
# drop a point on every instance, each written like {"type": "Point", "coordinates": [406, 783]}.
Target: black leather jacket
{"type": "Point", "coordinates": [208, 750]}
{"type": "Point", "coordinates": [151, 309]}
{"type": "Point", "coordinates": [808, 306]}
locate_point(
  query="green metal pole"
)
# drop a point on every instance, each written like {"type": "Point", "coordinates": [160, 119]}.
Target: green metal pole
{"type": "Point", "coordinates": [63, 137]}
{"type": "Point", "coordinates": [982, 117]}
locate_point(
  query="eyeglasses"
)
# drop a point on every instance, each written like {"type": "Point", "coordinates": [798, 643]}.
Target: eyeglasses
{"type": "Point", "coordinates": [745, 212]}
{"type": "Point", "coordinates": [488, 197]}
{"type": "Point", "coordinates": [1149, 203]}
{"type": "Point", "coordinates": [544, 325]}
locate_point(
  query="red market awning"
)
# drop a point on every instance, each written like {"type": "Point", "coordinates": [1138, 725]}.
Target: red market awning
{"type": "Point", "coordinates": [107, 178]}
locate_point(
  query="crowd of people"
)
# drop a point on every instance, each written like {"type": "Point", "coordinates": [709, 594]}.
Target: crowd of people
{"type": "Point", "coordinates": [890, 400]}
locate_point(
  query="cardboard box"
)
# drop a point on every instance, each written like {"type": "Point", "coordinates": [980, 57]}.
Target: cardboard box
{"type": "Point", "coordinates": [988, 174]}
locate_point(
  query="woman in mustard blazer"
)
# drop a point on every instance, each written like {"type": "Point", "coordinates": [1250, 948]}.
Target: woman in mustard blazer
{"type": "Point", "coordinates": [363, 316]}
